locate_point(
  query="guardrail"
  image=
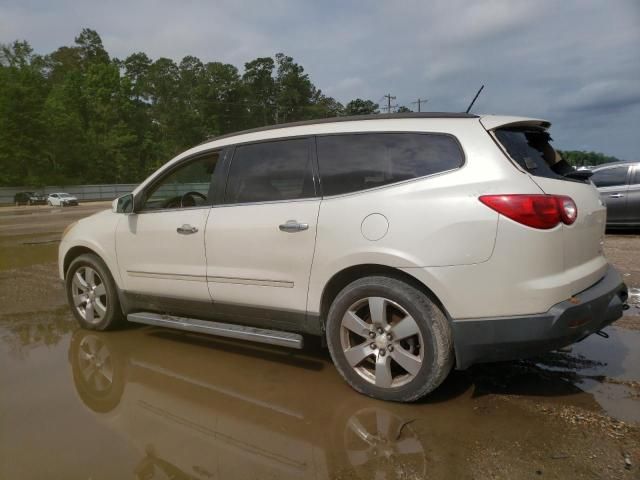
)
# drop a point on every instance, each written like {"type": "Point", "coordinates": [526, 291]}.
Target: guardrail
{"type": "Point", "coordinates": [83, 192]}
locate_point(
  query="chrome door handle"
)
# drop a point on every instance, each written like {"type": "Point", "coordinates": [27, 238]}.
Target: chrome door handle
{"type": "Point", "coordinates": [616, 195]}
{"type": "Point", "coordinates": [293, 226]}
{"type": "Point", "coordinates": [186, 229]}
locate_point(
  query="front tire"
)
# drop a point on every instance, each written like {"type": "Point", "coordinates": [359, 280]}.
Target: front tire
{"type": "Point", "coordinates": [388, 339]}
{"type": "Point", "coordinates": [92, 294]}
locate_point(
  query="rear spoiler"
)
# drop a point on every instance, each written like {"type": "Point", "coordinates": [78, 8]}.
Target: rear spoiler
{"type": "Point", "coordinates": [492, 122]}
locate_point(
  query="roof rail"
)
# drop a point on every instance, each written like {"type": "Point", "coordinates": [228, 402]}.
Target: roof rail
{"type": "Point", "coordinates": [352, 118]}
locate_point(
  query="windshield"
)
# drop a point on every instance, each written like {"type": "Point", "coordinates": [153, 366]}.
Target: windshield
{"type": "Point", "coordinates": [64, 195]}
{"type": "Point", "coordinates": [531, 149]}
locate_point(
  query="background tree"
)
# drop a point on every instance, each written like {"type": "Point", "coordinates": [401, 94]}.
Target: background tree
{"type": "Point", "coordinates": [361, 107]}
{"type": "Point", "coordinates": [79, 116]}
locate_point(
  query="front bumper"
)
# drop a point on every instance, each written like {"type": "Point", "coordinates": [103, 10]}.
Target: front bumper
{"type": "Point", "coordinates": [507, 338]}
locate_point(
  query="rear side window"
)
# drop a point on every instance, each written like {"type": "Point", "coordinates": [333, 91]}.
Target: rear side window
{"type": "Point", "coordinates": [270, 171]}
{"type": "Point", "coordinates": [354, 162]}
{"type": "Point", "coordinates": [531, 148]}
{"type": "Point", "coordinates": [610, 177]}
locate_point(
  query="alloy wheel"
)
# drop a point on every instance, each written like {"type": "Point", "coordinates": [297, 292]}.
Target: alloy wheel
{"type": "Point", "coordinates": [89, 294]}
{"type": "Point", "coordinates": [382, 342]}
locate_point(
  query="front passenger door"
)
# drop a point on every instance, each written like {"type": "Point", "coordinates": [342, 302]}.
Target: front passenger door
{"type": "Point", "coordinates": [633, 197]}
{"type": "Point", "coordinates": [160, 248]}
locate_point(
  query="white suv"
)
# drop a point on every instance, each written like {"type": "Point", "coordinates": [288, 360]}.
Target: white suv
{"type": "Point", "coordinates": [410, 243]}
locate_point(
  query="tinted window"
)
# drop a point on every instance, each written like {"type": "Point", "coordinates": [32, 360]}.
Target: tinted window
{"type": "Point", "coordinates": [532, 149]}
{"type": "Point", "coordinates": [636, 176]}
{"type": "Point", "coordinates": [270, 171]}
{"type": "Point", "coordinates": [610, 177]}
{"type": "Point", "coordinates": [187, 186]}
{"type": "Point", "coordinates": [349, 163]}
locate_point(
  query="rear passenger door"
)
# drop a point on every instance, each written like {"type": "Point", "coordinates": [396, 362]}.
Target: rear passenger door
{"type": "Point", "coordinates": [260, 240]}
{"type": "Point", "coordinates": [612, 185]}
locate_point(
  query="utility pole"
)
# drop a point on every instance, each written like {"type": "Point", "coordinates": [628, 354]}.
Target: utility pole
{"type": "Point", "coordinates": [420, 101]}
{"type": "Point", "coordinates": [389, 97]}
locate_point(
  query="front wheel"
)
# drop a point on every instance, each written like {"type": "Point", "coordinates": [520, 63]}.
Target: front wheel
{"type": "Point", "coordinates": [388, 339]}
{"type": "Point", "coordinates": [92, 294]}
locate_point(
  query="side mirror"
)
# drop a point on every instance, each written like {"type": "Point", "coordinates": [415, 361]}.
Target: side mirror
{"type": "Point", "coordinates": [123, 204]}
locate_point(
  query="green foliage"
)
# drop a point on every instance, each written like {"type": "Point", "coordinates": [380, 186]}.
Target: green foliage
{"type": "Point", "coordinates": [361, 107]}
{"type": "Point", "coordinates": [79, 116]}
{"type": "Point", "coordinates": [578, 158]}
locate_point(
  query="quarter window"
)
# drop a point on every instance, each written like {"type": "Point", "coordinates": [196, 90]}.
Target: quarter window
{"type": "Point", "coordinates": [354, 162]}
{"type": "Point", "coordinates": [610, 177]}
{"type": "Point", "coordinates": [270, 171]}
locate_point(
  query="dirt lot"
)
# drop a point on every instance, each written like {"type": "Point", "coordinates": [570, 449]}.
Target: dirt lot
{"type": "Point", "coordinates": [150, 403]}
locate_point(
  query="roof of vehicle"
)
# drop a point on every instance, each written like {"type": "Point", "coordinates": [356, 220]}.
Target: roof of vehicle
{"type": "Point", "coordinates": [613, 164]}
{"type": "Point", "coordinates": [490, 122]}
{"type": "Point", "coordinates": [351, 118]}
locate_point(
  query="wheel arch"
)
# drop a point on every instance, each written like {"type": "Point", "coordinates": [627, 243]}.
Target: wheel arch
{"type": "Point", "coordinates": [75, 252]}
{"type": "Point", "coordinates": [354, 272]}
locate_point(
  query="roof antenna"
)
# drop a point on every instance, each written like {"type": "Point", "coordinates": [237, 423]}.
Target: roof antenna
{"type": "Point", "coordinates": [474, 99]}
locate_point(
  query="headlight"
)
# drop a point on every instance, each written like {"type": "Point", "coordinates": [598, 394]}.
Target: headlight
{"type": "Point", "coordinates": [69, 227]}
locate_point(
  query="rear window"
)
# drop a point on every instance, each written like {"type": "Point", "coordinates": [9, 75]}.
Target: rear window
{"type": "Point", "coordinates": [354, 162]}
{"type": "Point", "coordinates": [531, 149]}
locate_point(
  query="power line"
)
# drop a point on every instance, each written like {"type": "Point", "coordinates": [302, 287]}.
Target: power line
{"type": "Point", "coordinates": [420, 101]}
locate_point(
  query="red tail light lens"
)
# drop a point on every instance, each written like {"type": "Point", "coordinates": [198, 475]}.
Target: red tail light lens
{"type": "Point", "coordinates": [536, 211]}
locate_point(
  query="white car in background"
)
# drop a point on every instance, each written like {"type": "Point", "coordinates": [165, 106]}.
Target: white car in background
{"type": "Point", "coordinates": [61, 200]}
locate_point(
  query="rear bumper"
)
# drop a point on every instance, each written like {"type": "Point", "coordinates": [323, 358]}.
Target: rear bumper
{"type": "Point", "coordinates": [506, 338]}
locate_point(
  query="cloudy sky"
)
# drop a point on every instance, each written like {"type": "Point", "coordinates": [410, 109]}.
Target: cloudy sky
{"type": "Point", "coordinates": [574, 62]}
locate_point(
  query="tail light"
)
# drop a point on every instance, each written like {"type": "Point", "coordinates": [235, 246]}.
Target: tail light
{"type": "Point", "coordinates": [537, 211]}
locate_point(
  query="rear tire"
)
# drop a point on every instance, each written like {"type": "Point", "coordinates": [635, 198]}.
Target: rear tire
{"type": "Point", "coordinates": [388, 339]}
{"type": "Point", "coordinates": [92, 294]}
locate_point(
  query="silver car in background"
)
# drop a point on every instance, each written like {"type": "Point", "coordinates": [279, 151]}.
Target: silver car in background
{"type": "Point", "coordinates": [619, 187]}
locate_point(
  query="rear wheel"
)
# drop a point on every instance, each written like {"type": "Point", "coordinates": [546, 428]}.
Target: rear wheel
{"type": "Point", "coordinates": [92, 294]}
{"type": "Point", "coordinates": [388, 339]}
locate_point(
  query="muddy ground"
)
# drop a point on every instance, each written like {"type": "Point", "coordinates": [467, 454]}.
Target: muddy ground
{"type": "Point", "coordinates": [149, 403]}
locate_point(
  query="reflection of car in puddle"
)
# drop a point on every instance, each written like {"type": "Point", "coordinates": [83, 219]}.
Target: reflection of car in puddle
{"type": "Point", "coordinates": [194, 414]}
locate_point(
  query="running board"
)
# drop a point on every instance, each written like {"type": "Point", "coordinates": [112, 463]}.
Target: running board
{"type": "Point", "coordinates": [272, 337]}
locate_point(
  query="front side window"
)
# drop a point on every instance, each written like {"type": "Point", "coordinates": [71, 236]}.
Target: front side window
{"type": "Point", "coordinates": [270, 171]}
{"type": "Point", "coordinates": [185, 187]}
{"type": "Point", "coordinates": [610, 177]}
{"type": "Point", "coordinates": [354, 162]}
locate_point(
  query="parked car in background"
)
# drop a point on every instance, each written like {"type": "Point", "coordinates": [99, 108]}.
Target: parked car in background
{"type": "Point", "coordinates": [619, 187]}
{"type": "Point", "coordinates": [30, 198]}
{"type": "Point", "coordinates": [410, 242]}
{"type": "Point", "coordinates": [61, 200]}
